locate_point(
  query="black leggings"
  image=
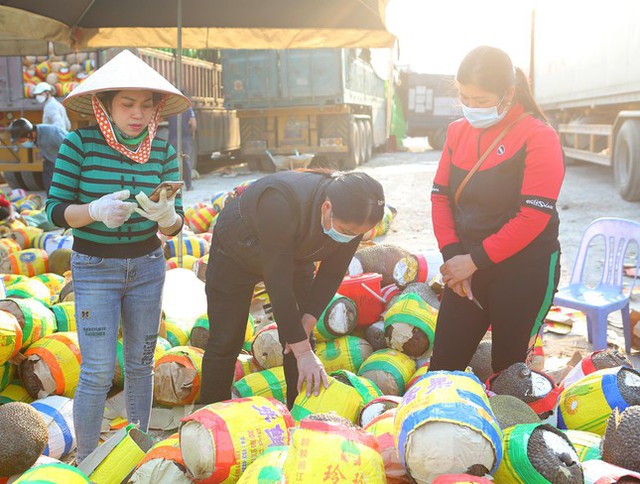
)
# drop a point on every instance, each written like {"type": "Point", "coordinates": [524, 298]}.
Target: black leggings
{"type": "Point", "coordinates": [229, 289]}
{"type": "Point", "coordinates": [516, 296]}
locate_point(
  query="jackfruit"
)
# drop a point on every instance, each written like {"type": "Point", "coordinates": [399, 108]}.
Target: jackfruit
{"type": "Point", "coordinates": [553, 456]}
{"type": "Point", "coordinates": [23, 437]}
{"type": "Point", "coordinates": [598, 360]}
{"type": "Point", "coordinates": [481, 361]}
{"type": "Point", "coordinates": [332, 418]}
{"type": "Point", "coordinates": [200, 268]}
{"type": "Point", "coordinates": [510, 411]}
{"type": "Point", "coordinates": [410, 324]}
{"type": "Point", "coordinates": [367, 390]}
{"type": "Point", "coordinates": [622, 439]}
{"type": "Point", "coordinates": [380, 258]}
{"type": "Point", "coordinates": [587, 444]}
{"type": "Point", "coordinates": [520, 381]}
{"type": "Point", "coordinates": [374, 334]}
{"type": "Point", "coordinates": [266, 347]}
{"type": "Point", "coordinates": [610, 359]}
{"type": "Point", "coordinates": [66, 294]}
{"type": "Point", "coordinates": [532, 387]}
{"type": "Point", "coordinates": [407, 338]}
{"type": "Point", "coordinates": [329, 447]}
{"type": "Point", "coordinates": [338, 319]}
{"type": "Point", "coordinates": [60, 261]}
{"type": "Point", "coordinates": [629, 385]}
{"type": "Point", "coordinates": [423, 290]}
{"type": "Point", "coordinates": [587, 404]}
{"type": "Point", "coordinates": [377, 407]}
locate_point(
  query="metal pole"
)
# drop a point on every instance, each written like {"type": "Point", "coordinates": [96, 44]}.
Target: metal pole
{"type": "Point", "coordinates": [179, 123]}
{"type": "Point", "coordinates": [532, 52]}
{"type": "Point", "coordinates": [389, 103]}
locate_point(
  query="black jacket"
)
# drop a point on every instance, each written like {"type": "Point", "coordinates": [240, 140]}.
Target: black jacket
{"type": "Point", "coordinates": [275, 225]}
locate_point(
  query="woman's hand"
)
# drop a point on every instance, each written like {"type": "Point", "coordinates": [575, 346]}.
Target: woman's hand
{"type": "Point", "coordinates": [463, 289]}
{"type": "Point", "coordinates": [457, 269]}
{"type": "Point", "coordinates": [310, 368]}
{"type": "Point", "coordinates": [308, 323]}
{"type": "Point", "coordinates": [163, 211]}
{"type": "Point", "coordinates": [111, 209]}
{"type": "Point", "coordinates": [311, 373]}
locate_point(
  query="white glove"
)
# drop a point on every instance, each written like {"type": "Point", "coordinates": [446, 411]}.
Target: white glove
{"type": "Point", "coordinates": [111, 210]}
{"type": "Point", "coordinates": [163, 211]}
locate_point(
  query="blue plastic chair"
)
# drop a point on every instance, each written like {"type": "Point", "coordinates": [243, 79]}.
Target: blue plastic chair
{"type": "Point", "coordinates": [607, 296]}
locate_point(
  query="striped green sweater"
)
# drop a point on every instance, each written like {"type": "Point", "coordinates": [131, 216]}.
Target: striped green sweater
{"type": "Point", "coordinates": [88, 168]}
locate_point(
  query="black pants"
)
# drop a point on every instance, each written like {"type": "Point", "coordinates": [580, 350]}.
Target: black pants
{"type": "Point", "coordinates": [516, 296]}
{"type": "Point", "coordinates": [229, 289]}
{"type": "Point", "coordinates": [187, 163]}
{"type": "Point", "coordinates": [47, 175]}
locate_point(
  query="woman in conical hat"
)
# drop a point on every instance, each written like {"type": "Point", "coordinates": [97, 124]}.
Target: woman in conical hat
{"type": "Point", "coordinates": [103, 177]}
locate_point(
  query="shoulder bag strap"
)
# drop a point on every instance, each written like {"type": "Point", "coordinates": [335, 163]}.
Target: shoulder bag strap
{"type": "Point", "coordinates": [476, 167]}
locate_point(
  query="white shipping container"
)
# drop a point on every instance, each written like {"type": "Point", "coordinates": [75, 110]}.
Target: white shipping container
{"type": "Point", "coordinates": [586, 53]}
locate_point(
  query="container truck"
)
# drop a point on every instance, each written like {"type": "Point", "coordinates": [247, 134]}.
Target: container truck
{"type": "Point", "coordinates": [587, 79]}
{"type": "Point", "coordinates": [218, 128]}
{"type": "Point", "coordinates": [325, 102]}
{"type": "Point", "coordinates": [430, 104]}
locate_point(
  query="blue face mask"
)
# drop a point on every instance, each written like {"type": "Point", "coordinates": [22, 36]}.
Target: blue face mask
{"type": "Point", "coordinates": [28, 144]}
{"type": "Point", "coordinates": [337, 236]}
{"type": "Point", "coordinates": [483, 117]}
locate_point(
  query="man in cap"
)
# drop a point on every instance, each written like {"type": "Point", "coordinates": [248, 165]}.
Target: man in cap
{"type": "Point", "coordinates": [53, 112]}
{"type": "Point", "coordinates": [47, 137]}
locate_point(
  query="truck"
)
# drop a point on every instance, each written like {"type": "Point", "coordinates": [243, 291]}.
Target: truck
{"type": "Point", "coordinates": [430, 103]}
{"type": "Point", "coordinates": [218, 128]}
{"type": "Point", "coordinates": [326, 102]}
{"type": "Point", "coordinates": [588, 83]}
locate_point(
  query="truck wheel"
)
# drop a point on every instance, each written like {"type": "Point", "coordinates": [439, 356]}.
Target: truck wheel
{"type": "Point", "coordinates": [362, 133]}
{"type": "Point", "coordinates": [253, 163]}
{"type": "Point", "coordinates": [626, 160]}
{"type": "Point", "coordinates": [267, 165]}
{"type": "Point", "coordinates": [13, 179]}
{"type": "Point", "coordinates": [324, 162]}
{"type": "Point", "coordinates": [29, 180]}
{"type": "Point", "coordinates": [33, 180]}
{"type": "Point", "coordinates": [352, 160]}
{"type": "Point", "coordinates": [369, 143]}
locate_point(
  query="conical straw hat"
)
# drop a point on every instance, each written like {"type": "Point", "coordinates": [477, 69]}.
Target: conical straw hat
{"type": "Point", "coordinates": [126, 72]}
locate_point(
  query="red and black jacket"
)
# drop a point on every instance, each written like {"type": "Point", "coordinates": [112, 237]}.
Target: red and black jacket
{"type": "Point", "coordinates": [509, 205]}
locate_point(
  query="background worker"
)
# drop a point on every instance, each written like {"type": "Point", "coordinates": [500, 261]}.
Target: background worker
{"type": "Point", "coordinates": [189, 128]}
{"type": "Point", "coordinates": [53, 112]}
{"type": "Point", "coordinates": [46, 137]}
{"type": "Point", "coordinates": [6, 210]}
{"type": "Point", "coordinates": [274, 232]}
{"type": "Point", "coordinates": [497, 228]}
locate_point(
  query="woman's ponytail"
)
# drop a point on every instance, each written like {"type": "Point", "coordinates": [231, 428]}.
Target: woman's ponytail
{"type": "Point", "coordinates": [492, 70]}
{"type": "Point", "coordinates": [525, 96]}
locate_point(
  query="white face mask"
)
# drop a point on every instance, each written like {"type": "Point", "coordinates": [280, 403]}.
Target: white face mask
{"type": "Point", "coordinates": [483, 117]}
{"type": "Point", "coordinates": [41, 98]}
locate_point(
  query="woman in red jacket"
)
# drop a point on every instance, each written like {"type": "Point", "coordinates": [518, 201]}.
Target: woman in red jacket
{"type": "Point", "coordinates": [494, 215]}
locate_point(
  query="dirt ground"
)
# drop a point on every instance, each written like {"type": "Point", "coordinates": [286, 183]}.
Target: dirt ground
{"type": "Point", "coordinates": [587, 194]}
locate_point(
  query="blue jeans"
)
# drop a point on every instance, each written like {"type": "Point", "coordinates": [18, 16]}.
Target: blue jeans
{"type": "Point", "coordinates": [106, 292]}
